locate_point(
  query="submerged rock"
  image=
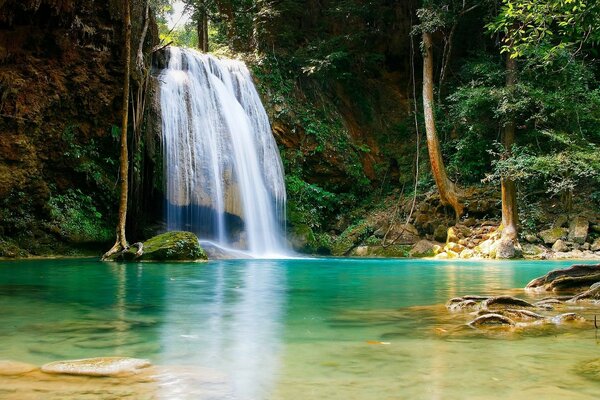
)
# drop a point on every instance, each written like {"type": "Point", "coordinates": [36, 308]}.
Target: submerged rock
{"type": "Point", "coordinates": [9, 368]}
{"type": "Point", "coordinates": [169, 246]}
{"type": "Point", "coordinates": [504, 302]}
{"type": "Point", "coordinates": [491, 320]}
{"type": "Point", "coordinates": [574, 277]}
{"type": "Point", "coordinates": [567, 317]}
{"type": "Point", "coordinates": [102, 366]}
{"type": "Point", "coordinates": [593, 293]}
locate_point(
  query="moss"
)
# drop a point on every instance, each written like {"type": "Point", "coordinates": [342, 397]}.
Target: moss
{"type": "Point", "coordinates": [170, 246]}
{"type": "Point", "coordinates": [351, 237]}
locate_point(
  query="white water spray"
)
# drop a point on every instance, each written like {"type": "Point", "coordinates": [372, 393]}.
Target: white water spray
{"type": "Point", "coordinates": [223, 173]}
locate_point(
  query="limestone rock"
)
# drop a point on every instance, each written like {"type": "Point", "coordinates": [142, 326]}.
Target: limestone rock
{"type": "Point", "coordinates": [550, 236]}
{"type": "Point", "coordinates": [561, 221]}
{"type": "Point", "coordinates": [9, 367]}
{"type": "Point", "coordinates": [532, 238]}
{"type": "Point", "coordinates": [576, 276]}
{"type": "Point", "coordinates": [595, 245]}
{"type": "Point", "coordinates": [102, 366]}
{"type": "Point", "coordinates": [578, 230]}
{"type": "Point", "coordinates": [504, 302]}
{"type": "Point", "coordinates": [467, 254]}
{"type": "Point", "coordinates": [170, 246]}
{"type": "Point", "coordinates": [505, 249]}
{"type": "Point", "coordinates": [567, 317]}
{"type": "Point", "coordinates": [533, 251]}
{"type": "Point", "coordinates": [424, 248]}
{"type": "Point", "coordinates": [560, 246]}
{"type": "Point", "coordinates": [593, 293]}
{"type": "Point", "coordinates": [491, 320]}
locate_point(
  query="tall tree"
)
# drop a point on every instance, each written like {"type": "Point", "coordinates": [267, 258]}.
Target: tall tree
{"type": "Point", "coordinates": [121, 241]}
{"type": "Point", "coordinates": [449, 193]}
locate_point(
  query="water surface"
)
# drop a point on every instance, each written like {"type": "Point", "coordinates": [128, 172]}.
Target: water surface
{"type": "Point", "coordinates": [293, 329]}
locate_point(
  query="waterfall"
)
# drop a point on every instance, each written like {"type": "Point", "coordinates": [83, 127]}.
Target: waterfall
{"type": "Point", "coordinates": [223, 174]}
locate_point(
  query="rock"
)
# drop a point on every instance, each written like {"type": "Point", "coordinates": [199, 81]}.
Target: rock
{"type": "Point", "coordinates": [576, 276]}
{"type": "Point", "coordinates": [561, 221]}
{"type": "Point", "coordinates": [102, 366]}
{"type": "Point", "coordinates": [504, 302]}
{"type": "Point", "coordinates": [454, 247]}
{"type": "Point", "coordinates": [550, 236]}
{"type": "Point", "coordinates": [9, 367]}
{"type": "Point", "coordinates": [451, 254]}
{"type": "Point", "coordinates": [452, 235]}
{"type": "Point", "coordinates": [593, 293]}
{"type": "Point", "coordinates": [486, 247]}
{"type": "Point", "coordinates": [467, 254]}
{"type": "Point", "coordinates": [390, 251]}
{"type": "Point", "coordinates": [505, 249]}
{"type": "Point", "coordinates": [463, 305]}
{"type": "Point", "coordinates": [515, 315]}
{"type": "Point", "coordinates": [440, 233]}
{"type": "Point", "coordinates": [586, 246]}
{"type": "Point", "coordinates": [170, 246]}
{"type": "Point", "coordinates": [361, 251]}
{"type": "Point", "coordinates": [531, 238]}
{"type": "Point", "coordinates": [578, 230]}
{"type": "Point", "coordinates": [424, 248]}
{"type": "Point", "coordinates": [470, 222]}
{"type": "Point", "coordinates": [595, 245]}
{"type": "Point", "coordinates": [568, 317]}
{"type": "Point", "coordinates": [491, 320]}
{"type": "Point", "coordinates": [442, 256]}
{"type": "Point", "coordinates": [560, 246]}
{"type": "Point", "coordinates": [533, 251]}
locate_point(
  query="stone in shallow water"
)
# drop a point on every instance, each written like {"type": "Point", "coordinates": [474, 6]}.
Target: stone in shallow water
{"type": "Point", "coordinates": [574, 277]}
{"type": "Point", "coordinates": [567, 317]}
{"type": "Point", "coordinates": [504, 302]}
{"type": "Point", "coordinates": [491, 320]}
{"type": "Point", "coordinates": [101, 366]}
{"type": "Point", "coordinates": [9, 367]}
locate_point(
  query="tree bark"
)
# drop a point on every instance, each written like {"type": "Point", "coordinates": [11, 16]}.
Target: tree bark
{"type": "Point", "coordinates": [121, 242]}
{"type": "Point", "coordinates": [509, 192]}
{"type": "Point", "coordinates": [202, 27]}
{"type": "Point", "coordinates": [449, 193]}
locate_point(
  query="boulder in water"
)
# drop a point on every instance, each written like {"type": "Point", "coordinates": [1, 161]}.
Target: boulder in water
{"type": "Point", "coordinates": [504, 302]}
{"type": "Point", "coordinates": [491, 320]}
{"type": "Point", "coordinates": [572, 278]}
{"type": "Point", "coordinates": [101, 366]}
{"type": "Point", "coordinates": [170, 246]}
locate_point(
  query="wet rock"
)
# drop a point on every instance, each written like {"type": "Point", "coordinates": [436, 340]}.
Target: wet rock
{"type": "Point", "coordinates": [593, 293]}
{"type": "Point", "coordinates": [491, 320]}
{"type": "Point", "coordinates": [515, 314]}
{"type": "Point", "coordinates": [574, 277]}
{"type": "Point", "coordinates": [9, 368]}
{"type": "Point", "coordinates": [505, 302]}
{"type": "Point", "coordinates": [550, 236]}
{"type": "Point", "coordinates": [170, 246]}
{"type": "Point", "coordinates": [567, 317]}
{"type": "Point", "coordinates": [560, 246]}
{"type": "Point", "coordinates": [424, 248]}
{"type": "Point", "coordinates": [578, 230]}
{"type": "Point", "coordinates": [102, 366]}
{"type": "Point", "coordinates": [462, 305]}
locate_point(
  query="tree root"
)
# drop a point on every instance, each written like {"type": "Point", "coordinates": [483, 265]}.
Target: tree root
{"type": "Point", "coordinates": [140, 249]}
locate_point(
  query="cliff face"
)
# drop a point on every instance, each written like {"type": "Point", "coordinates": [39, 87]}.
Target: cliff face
{"type": "Point", "coordinates": [60, 96]}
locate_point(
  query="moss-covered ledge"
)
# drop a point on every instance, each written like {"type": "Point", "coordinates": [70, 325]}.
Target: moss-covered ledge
{"type": "Point", "coordinates": [169, 246]}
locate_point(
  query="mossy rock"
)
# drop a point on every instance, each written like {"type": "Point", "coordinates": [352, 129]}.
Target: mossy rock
{"type": "Point", "coordinates": [170, 246]}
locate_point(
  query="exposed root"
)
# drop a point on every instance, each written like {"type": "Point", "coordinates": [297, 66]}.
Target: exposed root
{"type": "Point", "coordinates": [140, 249]}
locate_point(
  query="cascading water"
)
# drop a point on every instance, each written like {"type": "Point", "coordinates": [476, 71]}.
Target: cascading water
{"type": "Point", "coordinates": [224, 177]}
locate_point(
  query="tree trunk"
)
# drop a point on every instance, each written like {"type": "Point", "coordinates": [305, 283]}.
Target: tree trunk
{"type": "Point", "coordinates": [202, 27]}
{"type": "Point", "coordinates": [509, 192]}
{"type": "Point", "coordinates": [447, 189]}
{"type": "Point", "coordinates": [121, 242]}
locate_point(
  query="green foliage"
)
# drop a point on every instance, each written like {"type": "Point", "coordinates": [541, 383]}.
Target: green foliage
{"type": "Point", "coordinates": [75, 217]}
{"type": "Point", "coordinates": [309, 204]}
{"type": "Point", "coordinates": [550, 25]}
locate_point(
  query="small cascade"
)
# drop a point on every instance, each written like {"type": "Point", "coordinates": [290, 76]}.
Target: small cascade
{"type": "Point", "coordinates": [223, 173]}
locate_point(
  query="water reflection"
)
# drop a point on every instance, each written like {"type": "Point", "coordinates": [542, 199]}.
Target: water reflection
{"type": "Point", "coordinates": [230, 323]}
